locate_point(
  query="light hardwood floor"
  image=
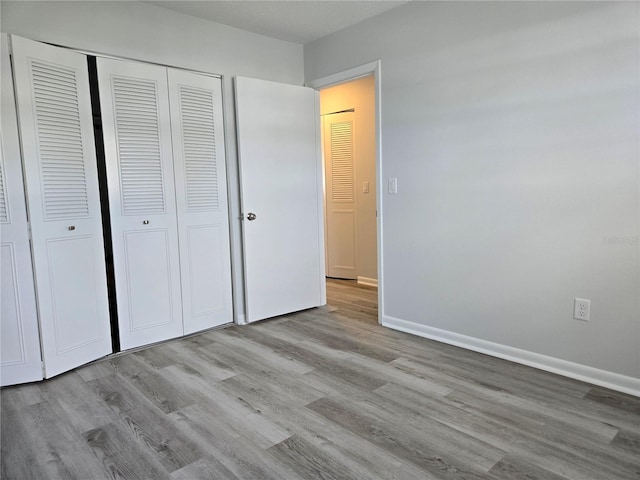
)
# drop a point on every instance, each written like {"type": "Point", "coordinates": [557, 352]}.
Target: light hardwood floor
{"type": "Point", "coordinates": [321, 394]}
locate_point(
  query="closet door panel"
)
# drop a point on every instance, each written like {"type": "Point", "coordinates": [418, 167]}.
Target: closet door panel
{"type": "Point", "coordinates": [137, 136]}
{"type": "Point", "coordinates": [19, 339]}
{"type": "Point", "coordinates": [201, 193]}
{"type": "Point", "coordinates": [77, 314]}
{"type": "Point", "coordinates": [54, 108]}
{"type": "Point", "coordinates": [147, 311]}
{"type": "Point", "coordinates": [206, 280]}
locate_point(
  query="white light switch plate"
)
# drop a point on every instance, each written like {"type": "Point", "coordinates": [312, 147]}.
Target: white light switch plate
{"type": "Point", "coordinates": [392, 186]}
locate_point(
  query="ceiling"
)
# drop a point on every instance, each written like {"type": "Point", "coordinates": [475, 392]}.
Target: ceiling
{"type": "Point", "coordinates": [300, 21]}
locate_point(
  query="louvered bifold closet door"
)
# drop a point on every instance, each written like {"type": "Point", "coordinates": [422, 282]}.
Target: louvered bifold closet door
{"type": "Point", "coordinates": [137, 138]}
{"type": "Point", "coordinates": [54, 110]}
{"type": "Point", "coordinates": [201, 193]}
{"type": "Point", "coordinates": [20, 349]}
{"type": "Point", "coordinates": [341, 209]}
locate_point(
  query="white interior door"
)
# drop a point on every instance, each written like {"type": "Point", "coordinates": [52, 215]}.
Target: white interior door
{"type": "Point", "coordinates": [201, 194]}
{"type": "Point", "coordinates": [135, 115]}
{"type": "Point", "coordinates": [54, 109]}
{"type": "Point", "coordinates": [20, 359]}
{"type": "Point", "coordinates": [340, 195]}
{"type": "Point", "coordinates": [281, 184]}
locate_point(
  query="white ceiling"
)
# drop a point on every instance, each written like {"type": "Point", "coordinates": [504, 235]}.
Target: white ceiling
{"type": "Point", "coordinates": [298, 21]}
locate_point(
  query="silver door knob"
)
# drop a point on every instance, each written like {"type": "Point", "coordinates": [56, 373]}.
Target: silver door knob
{"type": "Point", "coordinates": [251, 216]}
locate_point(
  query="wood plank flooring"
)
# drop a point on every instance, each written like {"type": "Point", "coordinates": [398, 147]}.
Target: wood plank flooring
{"type": "Point", "coordinates": [321, 394]}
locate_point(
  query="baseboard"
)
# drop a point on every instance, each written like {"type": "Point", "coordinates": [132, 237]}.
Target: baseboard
{"type": "Point", "coordinates": [603, 378]}
{"type": "Point", "coordinates": [371, 282]}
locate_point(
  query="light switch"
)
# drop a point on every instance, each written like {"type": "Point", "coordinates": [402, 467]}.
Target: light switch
{"type": "Point", "coordinates": [392, 186]}
{"type": "Point", "coordinates": [365, 187]}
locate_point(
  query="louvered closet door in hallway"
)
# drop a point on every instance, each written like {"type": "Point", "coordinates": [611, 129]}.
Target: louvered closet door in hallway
{"type": "Point", "coordinates": [201, 193]}
{"type": "Point", "coordinates": [340, 195]}
{"type": "Point", "coordinates": [20, 349]}
{"type": "Point", "coordinates": [54, 110]}
{"type": "Point", "coordinates": [137, 137]}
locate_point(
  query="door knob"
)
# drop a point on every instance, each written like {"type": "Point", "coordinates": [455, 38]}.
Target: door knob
{"type": "Point", "coordinates": [145, 222]}
{"type": "Point", "coordinates": [251, 216]}
{"type": "Point", "coordinates": [71, 227]}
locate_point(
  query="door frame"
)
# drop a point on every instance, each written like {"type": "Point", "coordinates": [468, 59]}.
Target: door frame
{"type": "Point", "coordinates": [347, 76]}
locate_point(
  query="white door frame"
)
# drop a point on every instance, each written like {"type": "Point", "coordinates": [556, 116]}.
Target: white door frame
{"type": "Point", "coordinates": [346, 76]}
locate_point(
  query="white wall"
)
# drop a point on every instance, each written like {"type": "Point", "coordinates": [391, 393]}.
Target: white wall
{"type": "Point", "coordinates": [513, 130]}
{"type": "Point", "coordinates": [145, 32]}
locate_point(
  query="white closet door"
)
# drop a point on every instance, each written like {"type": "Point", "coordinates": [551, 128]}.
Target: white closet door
{"type": "Point", "coordinates": [54, 110]}
{"type": "Point", "coordinates": [201, 194]}
{"type": "Point", "coordinates": [20, 344]}
{"type": "Point", "coordinates": [137, 137]}
{"type": "Point", "coordinates": [340, 194]}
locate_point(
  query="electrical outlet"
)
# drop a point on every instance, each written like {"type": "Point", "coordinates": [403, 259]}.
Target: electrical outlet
{"type": "Point", "coordinates": [581, 309]}
{"type": "Point", "coordinates": [365, 187]}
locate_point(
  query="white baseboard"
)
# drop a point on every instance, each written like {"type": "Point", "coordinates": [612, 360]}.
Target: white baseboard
{"type": "Point", "coordinates": [603, 378]}
{"type": "Point", "coordinates": [372, 282]}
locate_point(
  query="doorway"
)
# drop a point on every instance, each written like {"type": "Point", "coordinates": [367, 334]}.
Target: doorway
{"type": "Point", "coordinates": [349, 158]}
{"type": "Point", "coordinates": [372, 71]}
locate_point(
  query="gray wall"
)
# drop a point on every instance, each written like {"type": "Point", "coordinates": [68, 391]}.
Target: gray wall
{"type": "Point", "coordinates": [145, 32]}
{"type": "Point", "coordinates": [512, 128]}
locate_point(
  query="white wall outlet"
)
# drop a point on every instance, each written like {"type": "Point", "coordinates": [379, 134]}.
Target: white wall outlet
{"type": "Point", "coordinates": [392, 185]}
{"type": "Point", "coordinates": [365, 187]}
{"type": "Point", "coordinates": [581, 309]}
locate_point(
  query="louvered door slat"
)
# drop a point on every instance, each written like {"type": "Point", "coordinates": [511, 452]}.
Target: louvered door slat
{"type": "Point", "coordinates": [60, 91]}
{"type": "Point", "coordinates": [199, 136]}
{"type": "Point", "coordinates": [342, 171]}
{"type": "Point", "coordinates": [62, 109]}
{"type": "Point", "coordinates": [60, 139]}
{"type": "Point", "coordinates": [138, 137]}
